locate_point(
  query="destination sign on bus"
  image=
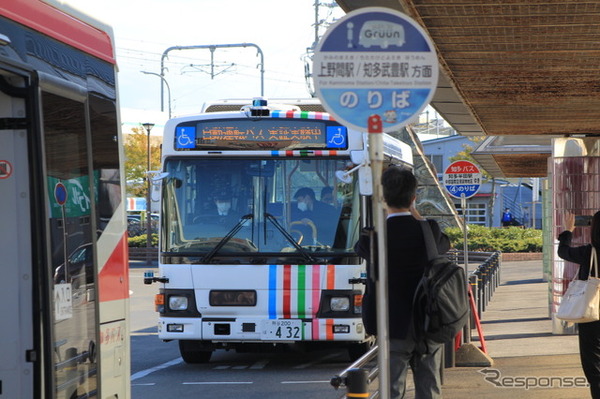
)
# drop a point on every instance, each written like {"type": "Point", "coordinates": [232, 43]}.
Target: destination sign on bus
{"type": "Point", "coordinates": [262, 134]}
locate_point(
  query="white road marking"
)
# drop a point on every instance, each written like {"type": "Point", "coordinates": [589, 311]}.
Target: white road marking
{"type": "Point", "coordinates": [142, 385]}
{"type": "Point", "coordinates": [143, 373]}
{"type": "Point", "coordinates": [218, 383]}
{"type": "Point", "coordinates": [259, 365]}
{"type": "Point", "coordinates": [304, 382]}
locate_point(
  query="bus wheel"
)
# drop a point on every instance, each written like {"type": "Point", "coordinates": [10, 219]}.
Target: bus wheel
{"type": "Point", "coordinates": [193, 353]}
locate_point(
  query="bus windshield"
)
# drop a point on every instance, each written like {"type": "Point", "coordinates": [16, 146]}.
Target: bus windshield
{"type": "Point", "coordinates": [220, 208]}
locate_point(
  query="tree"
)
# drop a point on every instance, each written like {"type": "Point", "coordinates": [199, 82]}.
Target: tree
{"type": "Point", "coordinates": [136, 160]}
{"type": "Point", "coordinates": [465, 155]}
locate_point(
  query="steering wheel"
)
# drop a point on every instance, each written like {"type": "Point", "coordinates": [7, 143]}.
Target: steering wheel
{"type": "Point", "coordinates": [309, 223]}
{"type": "Point", "coordinates": [300, 235]}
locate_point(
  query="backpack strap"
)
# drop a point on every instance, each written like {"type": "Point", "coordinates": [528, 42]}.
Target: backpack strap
{"type": "Point", "coordinates": [430, 245]}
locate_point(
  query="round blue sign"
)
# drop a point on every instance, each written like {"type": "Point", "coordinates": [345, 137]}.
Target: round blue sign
{"type": "Point", "coordinates": [375, 61]}
{"type": "Point", "coordinates": [60, 193]}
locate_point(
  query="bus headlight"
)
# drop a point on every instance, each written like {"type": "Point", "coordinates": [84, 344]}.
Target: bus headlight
{"type": "Point", "coordinates": [178, 302]}
{"type": "Point", "coordinates": [339, 303]}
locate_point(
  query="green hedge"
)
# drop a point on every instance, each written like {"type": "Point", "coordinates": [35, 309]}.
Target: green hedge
{"type": "Point", "coordinates": [489, 239]}
{"type": "Point", "coordinates": [141, 241]}
{"type": "Point", "coordinates": [486, 239]}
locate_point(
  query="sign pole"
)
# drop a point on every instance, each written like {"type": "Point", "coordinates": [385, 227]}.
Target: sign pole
{"type": "Point", "coordinates": [463, 205]}
{"type": "Point", "coordinates": [376, 158]}
{"type": "Point", "coordinates": [462, 179]}
{"type": "Point", "coordinates": [391, 88]}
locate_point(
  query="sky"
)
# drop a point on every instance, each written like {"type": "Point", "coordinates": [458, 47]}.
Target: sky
{"type": "Point", "coordinates": [145, 29]}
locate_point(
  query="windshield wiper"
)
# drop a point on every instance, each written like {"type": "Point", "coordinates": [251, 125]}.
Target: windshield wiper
{"type": "Point", "coordinates": [288, 237]}
{"type": "Point", "coordinates": [227, 237]}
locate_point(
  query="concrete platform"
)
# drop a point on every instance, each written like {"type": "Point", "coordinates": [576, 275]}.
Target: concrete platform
{"type": "Point", "coordinates": [528, 360]}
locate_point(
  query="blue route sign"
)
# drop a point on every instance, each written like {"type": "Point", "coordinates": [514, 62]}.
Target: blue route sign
{"type": "Point", "coordinates": [375, 61]}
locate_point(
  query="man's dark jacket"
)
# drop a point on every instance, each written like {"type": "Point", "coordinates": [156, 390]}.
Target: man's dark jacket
{"type": "Point", "coordinates": [407, 259]}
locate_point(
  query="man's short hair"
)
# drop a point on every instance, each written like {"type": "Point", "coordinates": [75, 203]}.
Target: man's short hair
{"type": "Point", "coordinates": [399, 186]}
{"type": "Point", "coordinates": [326, 190]}
{"type": "Point", "coordinates": [304, 191]}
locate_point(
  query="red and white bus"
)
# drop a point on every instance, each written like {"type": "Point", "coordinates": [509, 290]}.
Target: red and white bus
{"type": "Point", "coordinates": [63, 243]}
{"type": "Point", "coordinates": [260, 214]}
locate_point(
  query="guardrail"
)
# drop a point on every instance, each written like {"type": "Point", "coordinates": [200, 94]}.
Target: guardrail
{"type": "Point", "coordinates": [484, 280]}
{"type": "Point", "coordinates": [141, 253]}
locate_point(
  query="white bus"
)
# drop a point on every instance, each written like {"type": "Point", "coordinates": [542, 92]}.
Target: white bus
{"type": "Point", "coordinates": [260, 211]}
{"type": "Point", "coordinates": [63, 239]}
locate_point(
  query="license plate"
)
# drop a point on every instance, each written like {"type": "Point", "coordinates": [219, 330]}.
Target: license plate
{"type": "Point", "coordinates": [284, 330]}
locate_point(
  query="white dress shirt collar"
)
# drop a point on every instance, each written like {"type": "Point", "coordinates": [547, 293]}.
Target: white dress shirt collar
{"type": "Point", "coordinates": [391, 215]}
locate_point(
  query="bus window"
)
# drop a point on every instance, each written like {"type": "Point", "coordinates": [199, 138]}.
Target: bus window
{"type": "Point", "coordinates": [270, 206]}
{"type": "Point", "coordinates": [105, 158]}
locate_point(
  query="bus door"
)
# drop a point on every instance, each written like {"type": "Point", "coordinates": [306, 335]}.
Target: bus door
{"type": "Point", "coordinates": [71, 237]}
{"type": "Point", "coordinates": [16, 284]}
{"type": "Point", "coordinates": [47, 241]}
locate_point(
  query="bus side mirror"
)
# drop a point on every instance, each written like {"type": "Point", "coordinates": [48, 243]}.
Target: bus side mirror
{"type": "Point", "coordinates": [365, 180]}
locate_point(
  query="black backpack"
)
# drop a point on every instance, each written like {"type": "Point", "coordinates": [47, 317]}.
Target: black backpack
{"type": "Point", "coordinates": [440, 304]}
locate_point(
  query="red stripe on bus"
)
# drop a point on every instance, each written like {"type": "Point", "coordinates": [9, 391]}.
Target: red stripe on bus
{"type": "Point", "coordinates": [329, 329]}
{"type": "Point", "coordinates": [330, 277]}
{"type": "Point", "coordinates": [113, 279]}
{"type": "Point", "coordinates": [289, 114]}
{"type": "Point", "coordinates": [61, 26]}
{"type": "Point", "coordinates": [316, 299]}
{"type": "Point", "coordinates": [287, 294]}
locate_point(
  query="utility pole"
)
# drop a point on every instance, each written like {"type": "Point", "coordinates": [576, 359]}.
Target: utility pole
{"type": "Point", "coordinates": [148, 127]}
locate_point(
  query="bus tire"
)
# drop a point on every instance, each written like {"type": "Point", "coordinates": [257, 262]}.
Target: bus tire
{"type": "Point", "coordinates": [192, 352]}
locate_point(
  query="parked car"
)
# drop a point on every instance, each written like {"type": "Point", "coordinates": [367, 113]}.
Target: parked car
{"type": "Point", "coordinates": [136, 227]}
{"type": "Point", "coordinates": [80, 267]}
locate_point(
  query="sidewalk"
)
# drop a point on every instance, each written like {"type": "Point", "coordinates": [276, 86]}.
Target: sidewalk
{"type": "Point", "coordinates": [528, 360]}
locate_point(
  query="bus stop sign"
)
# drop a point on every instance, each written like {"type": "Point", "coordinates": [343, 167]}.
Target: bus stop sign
{"type": "Point", "coordinates": [462, 179]}
{"type": "Point", "coordinates": [375, 61]}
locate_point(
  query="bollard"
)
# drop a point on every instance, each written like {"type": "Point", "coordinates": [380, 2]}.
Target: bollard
{"type": "Point", "coordinates": [357, 382]}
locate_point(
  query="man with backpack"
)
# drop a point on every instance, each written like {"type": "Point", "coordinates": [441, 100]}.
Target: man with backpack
{"type": "Point", "coordinates": [407, 259]}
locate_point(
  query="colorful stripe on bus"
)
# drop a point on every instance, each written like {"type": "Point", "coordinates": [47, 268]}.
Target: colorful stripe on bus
{"type": "Point", "coordinates": [304, 153]}
{"type": "Point", "coordinates": [302, 115]}
{"type": "Point", "coordinates": [295, 292]}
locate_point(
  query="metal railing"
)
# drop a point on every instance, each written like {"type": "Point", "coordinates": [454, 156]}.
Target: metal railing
{"type": "Point", "coordinates": [484, 280]}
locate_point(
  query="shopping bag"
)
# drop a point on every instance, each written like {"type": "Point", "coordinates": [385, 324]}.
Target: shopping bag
{"type": "Point", "coordinates": [581, 302]}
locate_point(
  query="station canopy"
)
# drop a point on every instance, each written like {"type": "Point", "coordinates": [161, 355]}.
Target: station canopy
{"type": "Point", "coordinates": [521, 72]}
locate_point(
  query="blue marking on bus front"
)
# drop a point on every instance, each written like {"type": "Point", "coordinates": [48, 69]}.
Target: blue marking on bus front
{"type": "Point", "coordinates": [272, 291]}
{"type": "Point", "coordinates": [185, 137]}
{"type": "Point", "coordinates": [337, 137]}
